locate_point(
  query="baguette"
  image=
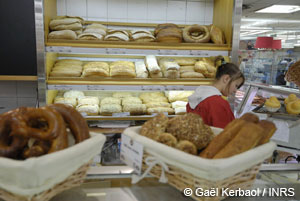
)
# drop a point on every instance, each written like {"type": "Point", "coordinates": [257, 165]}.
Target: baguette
{"type": "Point", "coordinates": [269, 130]}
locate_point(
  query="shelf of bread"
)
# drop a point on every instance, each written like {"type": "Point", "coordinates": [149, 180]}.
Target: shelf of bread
{"type": "Point", "coordinates": [122, 105]}
{"type": "Point", "coordinates": [66, 31]}
{"type": "Point", "coordinates": [147, 72]}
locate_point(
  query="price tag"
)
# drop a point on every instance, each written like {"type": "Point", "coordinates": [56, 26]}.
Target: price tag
{"type": "Point", "coordinates": [115, 51]}
{"type": "Point", "coordinates": [131, 153]}
{"type": "Point", "coordinates": [167, 52]}
{"type": "Point", "coordinates": [153, 88]}
{"type": "Point", "coordinates": [95, 87]}
{"type": "Point", "coordinates": [175, 87]}
{"type": "Point", "coordinates": [121, 114]}
{"type": "Point", "coordinates": [199, 53]}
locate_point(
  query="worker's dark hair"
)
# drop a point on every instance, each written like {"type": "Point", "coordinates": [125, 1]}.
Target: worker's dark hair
{"type": "Point", "coordinates": [229, 69]}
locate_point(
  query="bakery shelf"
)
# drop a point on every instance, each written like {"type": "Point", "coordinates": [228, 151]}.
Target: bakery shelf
{"type": "Point", "coordinates": [137, 45]}
{"type": "Point", "coordinates": [140, 117]}
{"type": "Point", "coordinates": [125, 84]}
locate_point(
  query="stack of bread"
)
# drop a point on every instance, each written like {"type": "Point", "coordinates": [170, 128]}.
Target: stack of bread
{"type": "Point", "coordinates": [141, 70]}
{"type": "Point", "coordinates": [168, 33]}
{"type": "Point", "coordinates": [93, 32]}
{"type": "Point", "coordinates": [117, 35]}
{"type": "Point", "coordinates": [292, 104]}
{"type": "Point", "coordinates": [206, 66]}
{"type": "Point", "coordinates": [110, 105]}
{"type": "Point", "coordinates": [178, 100]}
{"type": "Point", "coordinates": [96, 69]}
{"type": "Point", "coordinates": [134, 106]}
{"type": "Point", "coordinates": [156, 102]}
{"type": "Point", "coordinates": [170, 68]}
{"type": "Point", "coordinates": [187, 132]}
{"type": "Point", "coordinates": [66, 100]}
{"type": "Point", "coordinates": [88, 105]}
{"type": "Point", "coordinates": [187, 68]}
{"type": "Point", "coordinates": [179, 107]}
{"type": "Point", "coordinates": [65, 27]}
{"type": "Point", "coordinates": [153, 67]}
{"type": "Point", "coordinates": [142, 36]}
{"type": "Point", "coordinates": [67, 68]}
{"type": "Point", "coordinates": [122, 69]}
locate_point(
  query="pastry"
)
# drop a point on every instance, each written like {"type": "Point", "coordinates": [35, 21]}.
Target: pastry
{"type": "Point", "coordinates": [140, 69]}
{"type": "Point", "coordinates": [185, 61]}
{"type": "Point", "coordinates": [109, 109]}
{"type": "Point", "coordinates": [74, 94]}
{"type": "Point", "coordinates": [155, 126]}
{"type": "Point", "coordinates": [167, 139]}
{"type": "Point", "coordinates": [90, 110]}
{"type": "Point", "coordinates": [269, 130]}
{"type": "Point", "coordinates": [247, 138]}
{"type": "Point", "coordinates": [64, 34]}
{"type": "Point", "coordinates": [122, 95]}
{"type": "Point", "coordinates": [290, 98]}
{"type": "Point", "coordinates": [110, 100]}
{"type": "Point", "coordinates": [187, 146]}
{"type": "Point", "coordinates": [293, 107]}
{"type": "Point", "coordinates": [190, 127]}
{"type": "Point", "coordinates": [196, 34]}
{"type": "Point", "coordinates": [170, 111]}
{"type": "Point", "coordinates": [272, 104]}
{"type": "Point", "coordinates": [135, 109]}
{"type": "Point", "coordinates": [221, 140]}
{"type": "Point", "coordinates": [217, 35]}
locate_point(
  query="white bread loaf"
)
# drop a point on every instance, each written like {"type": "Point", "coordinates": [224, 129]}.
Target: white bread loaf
{"type": "Point", "coordinates": [140, 69]}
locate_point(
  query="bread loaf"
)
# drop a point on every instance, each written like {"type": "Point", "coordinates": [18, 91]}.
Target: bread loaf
{"type": "Point", "coordinates": [111, 100]}
{"type": "Point", "coordinates": [170, 111]}
{"type": "Point", "coordinates": [90, 110]}
{"type": "Point", "coordinates": [135, 109]}
{"type": "Point", "coordinates": [152, 65]}
{"type": "Point", "coordinates": [155, 126]}
{"type": "Point", "coordinates": [191, 75]}
{"type": "Point", "coordinates": [109, 109]}
{"type": "Point", "coordinates": [90, 36]}
{"type": "Point", "coordinates": [88, 100]}
{"type": "Point", "coordinates": [122, 95]}
{"type": "Point", "coordinates": [185, 61]}
{"type": "Point", "coordinates": [140, 69]}
{"type": "Point", "coordinates": [131, 100]}
{"type": "Point", "coordinates": [64, 34]}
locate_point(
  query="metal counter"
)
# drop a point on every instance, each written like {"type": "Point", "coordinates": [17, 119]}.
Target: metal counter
{"type": "Point", "coordinates": [150, 190]}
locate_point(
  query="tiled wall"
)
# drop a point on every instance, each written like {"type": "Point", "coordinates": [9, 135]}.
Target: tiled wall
{"type": "Point", "coordinates": [16, 94]}
{"type": "Point", "coordinates": [141, 11]}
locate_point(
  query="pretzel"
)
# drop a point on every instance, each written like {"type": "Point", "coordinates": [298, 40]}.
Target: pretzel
{"type": "Point", "coordinates": [75, 121]}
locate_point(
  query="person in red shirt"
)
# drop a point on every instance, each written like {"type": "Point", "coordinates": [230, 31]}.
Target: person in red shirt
{"type": "Point", "coordinates": [207, 101]}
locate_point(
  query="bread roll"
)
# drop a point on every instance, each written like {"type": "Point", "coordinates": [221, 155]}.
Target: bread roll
{"type": "Point", "coordinates": [170, 111]}
{"type": "Point", "coordinates": [95, 72]}
{"type": "Point", "coordinates": [66, 21]}
{"type": "Point", "coordinates": [95, 30]}
{"type": "Point", "coordinates": [90, 110]}
{"type": "Point", "coordinates": [88, 100]}
{"type": "Point", "coordinates": [152, 65]}
{"type": "Point", "coordinates": [109, 109]}
{"type": "Point", "coordinates": [158, 104]}
{"type": "Point", "coordinates": [90, 36]}
{"type": "Point", "coordinates": [68, 101]}
{"type": "Point", "coordinates": [110, 100]}
{"type": "Point", "coordinates": [122, 95]}
{"type": "Point", "coordinates": [73, 27]}
{"type": "Point", "coordinates": [131, 100]}
{"type": "Point", "coordinates": [140, 69]}
{"type": "Point", "coordinates": [73, 94]}
{"type": "Point", "coordinates": [122, 72]}
{"type": "Point", "coordinates": [135, 109]}
{"type": "Point", "coordinates": [187, 146]}
{"type": "Point", "coordinates": [155, 126]}
{"type": "Point", "coordinates": [191, 75]}
{"type": "Point", "coordinates": [185, 61]}
{"type": "Point", "coordinates": [167, 139]}
{"type": "Point", "coordinates": [65, 34]}
{"type": "Point", "coordinates": [116, 37]}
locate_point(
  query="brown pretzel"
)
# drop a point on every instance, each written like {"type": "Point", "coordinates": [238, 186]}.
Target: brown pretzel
{"type": "Point", "coordinates": [75, 121]}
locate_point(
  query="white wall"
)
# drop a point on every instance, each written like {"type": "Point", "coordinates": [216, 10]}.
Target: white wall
{"type": "Point", "coordinates": [140, 11]}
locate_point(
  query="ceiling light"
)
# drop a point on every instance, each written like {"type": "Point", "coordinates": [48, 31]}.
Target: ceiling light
{"type": "Point", "coordinates": [280, 9]}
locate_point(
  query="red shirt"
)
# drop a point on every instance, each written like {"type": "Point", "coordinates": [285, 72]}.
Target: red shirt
{"type": "Point", "coordinates": [214, 110]}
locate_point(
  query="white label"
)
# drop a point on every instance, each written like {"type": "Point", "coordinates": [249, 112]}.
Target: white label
{"type": "Point", "coordinates": [199, 53]}
{"type": "Point", "coordinates": [121, 114]}
{"type": "Point", "coordinates": [175, 87]}
{"type": "Point", "coordinates": [115, 51]}
{"type": "Point", "coordinates": [95, 87]}
{"type": "Point", "coordinates": [132, 153]}
{"type": "Point", "coordinates": [153, 88]}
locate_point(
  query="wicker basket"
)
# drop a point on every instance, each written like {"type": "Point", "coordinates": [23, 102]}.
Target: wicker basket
{"type": "Point", "coordinates": [72, 181]}
{"type": "Point", "coordinates": [181, 179]}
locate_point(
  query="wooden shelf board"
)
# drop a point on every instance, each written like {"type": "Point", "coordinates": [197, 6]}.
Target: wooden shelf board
{"type": "Point", "coordinates": [17, 78]}
{"type": "Point", "coordinates": [141, 117]}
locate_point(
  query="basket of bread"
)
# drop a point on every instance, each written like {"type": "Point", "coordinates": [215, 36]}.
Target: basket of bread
{"type": "Point", "coordinates": [44, 151]}
{"type": "Point", "coordinates": [186, 153]}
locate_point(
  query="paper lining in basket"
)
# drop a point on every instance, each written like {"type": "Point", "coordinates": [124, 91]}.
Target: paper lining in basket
{"type": "Point", "coordinates": [212, 170]}
{"type": "Point", "coordinates": [35, 175]}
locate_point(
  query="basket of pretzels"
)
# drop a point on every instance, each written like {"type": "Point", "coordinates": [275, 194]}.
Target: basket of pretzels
{"type": "Point", "coordinates": [186, 153]}
{"type": "Point", "coordinates": [44, 151]}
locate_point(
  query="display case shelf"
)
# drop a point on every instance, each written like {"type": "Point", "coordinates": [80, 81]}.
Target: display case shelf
{"type": "Point", "coordinates": [140, 117]}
